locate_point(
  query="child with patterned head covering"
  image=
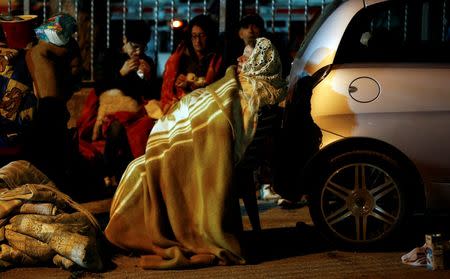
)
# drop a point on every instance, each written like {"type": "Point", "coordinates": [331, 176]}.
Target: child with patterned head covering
{"type": "Point", "coordinates": [54, 62]}
{"type": "Point", "coordinates": [263, 71]}
{"type": "Point", "coordinates": [57, 30]}
{"type": "Point", "coordinates": [177, 204]}
{"type": "Point", "coordinates": [55, 67]}
{"type": "Point", "coordinates": [260, 76]}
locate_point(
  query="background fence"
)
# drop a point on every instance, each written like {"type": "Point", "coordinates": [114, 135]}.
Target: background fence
{"type": "Point", "coordinates": [101, 23]}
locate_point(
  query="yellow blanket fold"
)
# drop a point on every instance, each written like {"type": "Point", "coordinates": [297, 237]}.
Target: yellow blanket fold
{"type": "Point", "coordinates": [177, 203]}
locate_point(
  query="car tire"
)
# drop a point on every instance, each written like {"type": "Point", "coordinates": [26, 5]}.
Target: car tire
{"type": "Point", "coordinates": [359, 200]}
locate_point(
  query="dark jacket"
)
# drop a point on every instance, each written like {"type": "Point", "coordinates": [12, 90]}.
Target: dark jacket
{"type": "Point", "coordinates": [108, 77]}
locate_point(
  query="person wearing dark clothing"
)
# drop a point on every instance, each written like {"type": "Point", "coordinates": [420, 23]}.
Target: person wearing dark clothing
{"type": "Point", "coordinates": [114, 124]}
{"type": "Point", "coordinates": [251, 27]}
{"type": "Point", "coordinates": [260, 157]}
{"type": "Point", "coordinates": [54, 64]}
{"type": "Point", "coordinates": [120, 69]}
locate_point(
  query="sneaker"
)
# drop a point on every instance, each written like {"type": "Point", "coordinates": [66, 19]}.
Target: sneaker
{"type": "Point", "coordinates": [267, 193]}
{"type": "Point", "coordinates": [107, 181]}
{"type": "Point", "coordinates": [110, 181]}
{"type": "Point", "coordinates": [284, 203]}
{"type": "Point", "coordinates": [304, 200]}
{"type": "Point", "coordinates": [287, 204]}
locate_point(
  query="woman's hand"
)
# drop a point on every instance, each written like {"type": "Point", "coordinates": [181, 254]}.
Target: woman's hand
{"type": "Point", "coordinates": [131, 65]}
{"type": "Point", "coordinates": [144, 67]}
{"type": "Point", "coordinates": [181, 81]}
{"type": "Point", "coordinates": [198, 83]}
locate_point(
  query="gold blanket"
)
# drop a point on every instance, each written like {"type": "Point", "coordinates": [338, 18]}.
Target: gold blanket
{"type": "Point", "coordinates": [176, 204]}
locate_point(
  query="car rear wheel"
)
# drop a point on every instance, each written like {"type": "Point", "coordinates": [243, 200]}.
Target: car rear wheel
{"type": "Point", "coordinates": [359, 199]}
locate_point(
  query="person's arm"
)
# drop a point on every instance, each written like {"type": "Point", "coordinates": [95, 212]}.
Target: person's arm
{"type": "Point", "coordinates": [42, 63]}
{"type": "Point", "coordinates": [148, 79]}
{"type": "Point", "coordinates": [214, 69]}
{"type": "Point", "coordinates": [168, 88]}
{"type": "Point", "coordinates": [129, 67]}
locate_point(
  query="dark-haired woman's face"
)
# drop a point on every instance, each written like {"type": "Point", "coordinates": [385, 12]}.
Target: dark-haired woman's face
{"type": "Point", "coordinates": [198, 38]}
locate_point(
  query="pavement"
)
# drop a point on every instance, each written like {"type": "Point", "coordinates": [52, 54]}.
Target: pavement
{"type": "Point", "coordinates": [289, 246]}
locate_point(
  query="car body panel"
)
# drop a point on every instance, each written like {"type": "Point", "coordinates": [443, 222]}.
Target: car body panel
{"type": "Point", "coordinates": [405, 105]}
{"type": "Point", "coordinates": [325, 42]}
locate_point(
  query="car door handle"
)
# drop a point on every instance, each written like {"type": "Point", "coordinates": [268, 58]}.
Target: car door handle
{"type": "Point", "coordinates": [352, 89]}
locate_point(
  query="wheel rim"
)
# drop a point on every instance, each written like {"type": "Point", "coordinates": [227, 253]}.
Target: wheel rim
{"type": "Point", "coordinates": [360, 202]}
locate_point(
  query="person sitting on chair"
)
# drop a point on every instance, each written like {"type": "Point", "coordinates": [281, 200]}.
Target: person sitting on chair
{"type": "Point", "coordinates": [178, 202]}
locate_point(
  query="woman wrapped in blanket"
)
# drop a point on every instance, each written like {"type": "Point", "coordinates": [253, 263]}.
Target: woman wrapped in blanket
{"type": "Point", "coordinates": [195, 63]}
{"type": "Point", "coordinates": [177, 204]}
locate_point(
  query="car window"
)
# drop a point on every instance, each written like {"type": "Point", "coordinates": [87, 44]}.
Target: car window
{"type": "Point", "coordinates": [398, 31]}
{"type": "Point", "coordinates": [329, 9]}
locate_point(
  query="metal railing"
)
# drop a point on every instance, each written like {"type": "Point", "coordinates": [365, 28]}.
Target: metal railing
{"type": "Point", "coordinates": [278, 15]}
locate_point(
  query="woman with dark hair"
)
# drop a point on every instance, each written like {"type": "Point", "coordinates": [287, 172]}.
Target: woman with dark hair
{"type": "Point", "coordinates": [194, 64]}
{"type": "Point", "coordinates": [114, 126]}
{"type": "Point", "coordinates": [177, 204]}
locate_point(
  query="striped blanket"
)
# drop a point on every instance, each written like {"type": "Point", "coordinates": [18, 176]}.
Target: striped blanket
{"type": "Point", "coordinates": [176, 203]}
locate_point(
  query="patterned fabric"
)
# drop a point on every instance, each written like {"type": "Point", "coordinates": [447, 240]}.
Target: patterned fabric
{"type": "Point", "coordinates": [137, 125]}
{"type": "Point", "coordinates": [17, 101]}
{"type": "Point", "coordinates": [177, 203]}
{"type": "Point", "coordinates": [20, 173]}
{"type": "Point", "coordinates": [58, 30]}
{"type": "Point", "coordinates": [40, 225]}
{"type": "Point", "coordinates": [170, 94]}
{"type": "Point", "coordinates": [263, 71]}
{"type": "Point", "coordinates": [262, 85]}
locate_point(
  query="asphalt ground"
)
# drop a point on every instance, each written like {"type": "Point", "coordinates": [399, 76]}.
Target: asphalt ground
{"type": "Point", "coordinates": [289, 246]}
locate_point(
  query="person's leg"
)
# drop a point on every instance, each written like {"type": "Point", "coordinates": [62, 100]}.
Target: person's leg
{"type": "Point", "coordinates": [117, 153]}
{"type": "Point", "coordinates": [46, 145]}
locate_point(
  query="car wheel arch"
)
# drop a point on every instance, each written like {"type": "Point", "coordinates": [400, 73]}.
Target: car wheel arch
{"type": "Point", "coordinates": [369, 144]}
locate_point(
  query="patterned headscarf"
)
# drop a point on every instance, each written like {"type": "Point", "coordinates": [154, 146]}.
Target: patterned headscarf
{"type": "Point", "coordinates": [263, 71]}
{"type": "Point", "coordinates": [58, 30]}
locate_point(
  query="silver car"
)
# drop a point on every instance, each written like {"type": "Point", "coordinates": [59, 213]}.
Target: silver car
{"type": "Point", "coordinates": [376, 77]}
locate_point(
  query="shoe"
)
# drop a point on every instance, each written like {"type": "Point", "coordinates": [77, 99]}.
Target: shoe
{"type": "Point", "coordinates": [284, 203]}
{"type": "Point", "coordinates": [267, 194]}
{"type": "Point", "coordinates": [114, 181]}
{"type": "Point", "coordinates": [304, 200]}
{"type": "Point", "coordinates": [287, 204]}
{"type": "Point", "coordinates": [110, 181]}
{"type": "Point", "coordinates": [107, 181]}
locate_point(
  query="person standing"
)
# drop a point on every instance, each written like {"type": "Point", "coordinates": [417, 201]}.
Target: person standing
{"type": "Point", "coordinates": [54, 65]}
{"type": "Point", "coordinates": [259, 158]}
{"type": "Point", "coordinates": [251, 27]}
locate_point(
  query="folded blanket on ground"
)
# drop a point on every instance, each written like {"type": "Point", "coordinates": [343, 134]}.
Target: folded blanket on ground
{"type": "Point", "coordinates": [40, 225]}
{"type": "Point", "coordinates": [21, 172]}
